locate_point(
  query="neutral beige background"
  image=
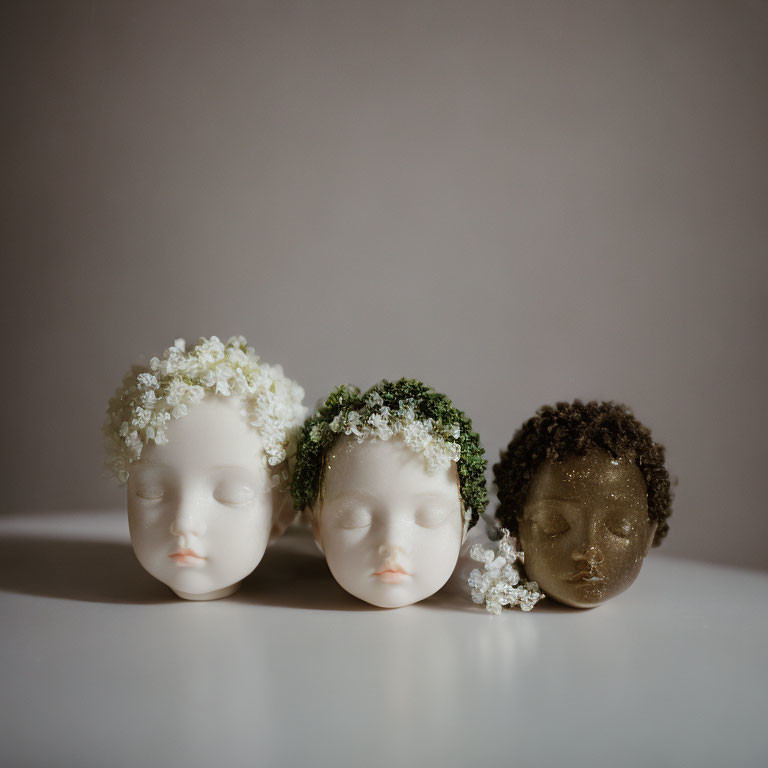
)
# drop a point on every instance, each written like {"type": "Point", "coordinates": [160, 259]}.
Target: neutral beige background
{"type": "Point", "coordinates": [516, 201]}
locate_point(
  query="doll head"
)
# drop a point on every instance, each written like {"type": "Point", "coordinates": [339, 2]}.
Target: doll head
{"type": "Point", "coordinates": [392, 479]}
{"type": "Point", "coordinates": [202, 438]}
{"type": "Point", "coordinates": [585, 489]}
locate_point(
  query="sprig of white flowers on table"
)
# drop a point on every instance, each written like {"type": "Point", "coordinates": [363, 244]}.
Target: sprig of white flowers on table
{"type": "Point", "coordinates": [152, 395]}
{"type": "Point", "coordinates": [499, 583]}
{"type": "Point", "coordinates": [376, 420]}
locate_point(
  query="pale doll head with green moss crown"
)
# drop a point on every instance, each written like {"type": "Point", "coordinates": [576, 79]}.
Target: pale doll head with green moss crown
{"type": "Point", "coordinates": [204, 439]}
{"type": "Point", "coordinates": [427, 421]}
{"type": "Point", "coordinates": [392, 479]}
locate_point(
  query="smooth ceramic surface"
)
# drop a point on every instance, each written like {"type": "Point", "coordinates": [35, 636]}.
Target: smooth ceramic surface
{"type": "Point", "coordinates": [390, 530]}
{"type": "Point", "coordinates": [200, 509]}
{"type": "Point", "coordinates": [101, 665]}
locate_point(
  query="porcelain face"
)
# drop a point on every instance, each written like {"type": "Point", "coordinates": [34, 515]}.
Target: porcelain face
{"type": "Point", "coordinates": [585, 528]}
{"type": "Point", "coordinates": [390, 531]}
{"type": "Point", "coordinates": [200, 507]}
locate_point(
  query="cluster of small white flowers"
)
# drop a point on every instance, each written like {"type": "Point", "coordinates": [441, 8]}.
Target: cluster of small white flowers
{"type": "Point", "coordinates": [500, 584]}
{"type": "Point", "coordinates": [151, 396]}
{"type": "Point", "coordinates": [376, 420]}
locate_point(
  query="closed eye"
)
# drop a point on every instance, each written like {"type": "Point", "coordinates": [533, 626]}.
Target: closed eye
{"type": "Point", "coordinates": [150, 493]}
{"type": "Point", "coordinates": [431, 517]}
{"type": "Point", "coordinates": [234, 493]}
{"type": "Point", "coordinates": [353, 517]}
{"type": "Point", "coordinates": [553, 524]}
{"type": "Point", "coordinates": [550, 516]}
{"type": "Point", "coordinates": [620, 526]}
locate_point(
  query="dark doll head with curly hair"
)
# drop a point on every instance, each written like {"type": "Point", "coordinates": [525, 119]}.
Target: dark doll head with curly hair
{"type": "Point", "coordinates": [585, 489]}
{"type": "Point", "coordinates": [573, 429]}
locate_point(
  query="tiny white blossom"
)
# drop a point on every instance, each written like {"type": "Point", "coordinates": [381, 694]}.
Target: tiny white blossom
{"type": "Point", "coordinates": [149, 398]}
{"type": "Point", "coordinates": [352, 424]}
{"type": "Point", "coordinates": [374, 400]}
{"type": "Point", "coordinates": [141, 417]}
{"type": "Point", "coordinates": [222, 382]}
{"type": "Point", "coordinates": [147, 381]}
{"type": "Point", "coordinates": [238, 342]}
{"type": "Point", "coordinates": [134, 444]}
{"type": "Point", "coordinates": [160, 437]}
{"type": "Point", "coordinates": [237, 357]}
{"type": "Point", "coordinates": [175, 391]}
{"type": "Point", "coordinates": [208, 379]}
{"type": "Point", "coordinates": [179, 411]}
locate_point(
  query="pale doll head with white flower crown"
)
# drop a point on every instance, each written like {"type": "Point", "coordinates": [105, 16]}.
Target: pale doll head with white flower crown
{"type": "Point", "coordinates": [204, 438]}
{"type": "Point", "coordinates": [392, 480]}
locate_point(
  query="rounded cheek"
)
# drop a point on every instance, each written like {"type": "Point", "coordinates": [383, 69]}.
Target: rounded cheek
{"type": "Point", "coordinates": [237, 536]}
{"type": "Point", "coordinates": [150, 534]}
{"type": "Point", "coordinates": [350, 555]}
{"type": "Point", "coordinates": [143, 516]}
{"type": "Point", "coordinates": [437, 553]}
{"type": "Point", "coordinates": [546, 559]}
{"type": "Point", "coordinates": [623, 559]}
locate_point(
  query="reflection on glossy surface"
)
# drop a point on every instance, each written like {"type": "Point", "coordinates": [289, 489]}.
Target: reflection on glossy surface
{"type": "Point", "coordinates": [585, 528]}
{"type": "Point", "coordinates": [390, 530]}
{"type": "Point", "coordinates": [200, 508]}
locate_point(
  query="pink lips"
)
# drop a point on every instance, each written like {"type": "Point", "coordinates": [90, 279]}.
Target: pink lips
{"type": "Point", "coordinates": [392, 575]}
{"type": "Point", "coordinates": [186, 557]}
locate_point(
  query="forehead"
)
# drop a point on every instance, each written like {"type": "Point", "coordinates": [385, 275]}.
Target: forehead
{"type": "Point", "coordinates": [597, 473]}
{"type": "Point", "coordinates": [214, 432]}
{"type": "Point", "coordinates": [383, 468]}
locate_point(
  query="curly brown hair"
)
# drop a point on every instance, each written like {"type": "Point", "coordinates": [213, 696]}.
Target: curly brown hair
{"type": "Point", "coordinates": [572, 429]}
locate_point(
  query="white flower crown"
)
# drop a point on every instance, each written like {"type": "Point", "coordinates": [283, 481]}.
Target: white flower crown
{"type": "Point", "coordinates": [151, 396]}
{"type": "Point", "coordinates": [376, 420]}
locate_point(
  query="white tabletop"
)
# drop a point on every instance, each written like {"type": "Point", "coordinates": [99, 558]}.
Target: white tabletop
{"type": "Point", "coordinates": [102, 666]}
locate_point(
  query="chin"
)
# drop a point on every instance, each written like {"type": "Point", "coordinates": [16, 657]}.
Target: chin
{"type": "Point", "coordinates": [200, 581]}
{"type": "Point", "coordinates": [389, 597]}
{"type": "Point", "coordinates": [583, 597]}
{"type": "Point", "coordinates": [582, 603]}
{"type": "Point", "coordinates": [382, 602]}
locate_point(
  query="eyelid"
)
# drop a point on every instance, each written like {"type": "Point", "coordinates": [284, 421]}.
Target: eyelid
{"type": "Point", "coordinates": [552, 523]}
{"type": "Point", "coordinates": [353, 517]}
{"type": "Point", "coordinates": [150, 492]}
{"type": "Point", "coordinates": [431, 517]}
{"type": "Point", "coordinates": [234, 493]}
{"type": "Point", "coordinates": [620, 527]}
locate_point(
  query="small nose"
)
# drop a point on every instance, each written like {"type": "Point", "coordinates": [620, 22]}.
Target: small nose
{"type": "Point", "coordinates": [187, 522]}
{"type": "Point", "coordinates": [388, 549]}
{"type": "Point", "coordinates": [591, 554]}
{"type": "Point", "coordinates": [394, 537]}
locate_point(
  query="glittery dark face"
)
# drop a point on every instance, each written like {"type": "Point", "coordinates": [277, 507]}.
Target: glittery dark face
{"type": "Point", "coordinates": [585, 528]}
